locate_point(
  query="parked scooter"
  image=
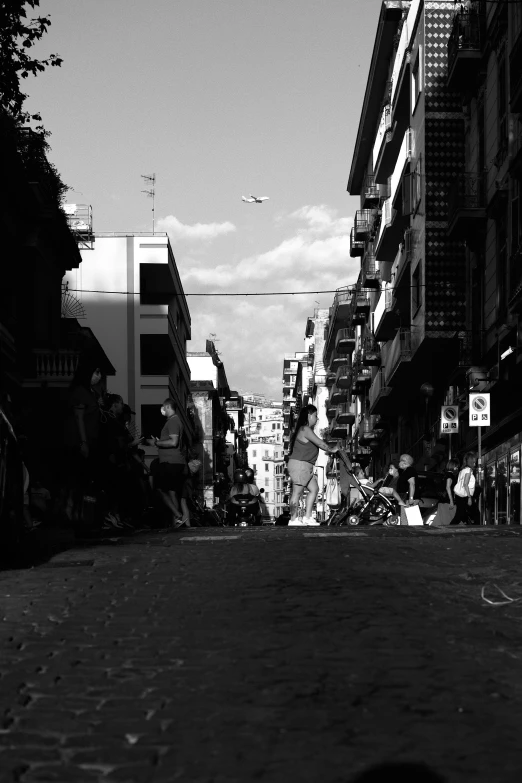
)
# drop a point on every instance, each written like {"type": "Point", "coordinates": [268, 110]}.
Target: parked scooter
{"type": "Point", "coordinates": [246, 509]}
{"type": "Point", "coordinates": [243, 505]}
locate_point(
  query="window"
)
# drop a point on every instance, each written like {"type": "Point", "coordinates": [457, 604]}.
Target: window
{"type": "Point", "coordinates": [156, 284]}
{"type": "Point", "coordinates": [416, 289]}
{"type": "Point", "coordinates": [254, 453]}
{"type": "Point", "coordinates": [266, 453]}
{"type": "Point", "coordinates": [156, 354]}
{"type": "Point", "coordinates": [267, 466]}
{"type": "Point", "coordinates": [416, 79]}
{"type": "Point", "coordinates": [267, 497]}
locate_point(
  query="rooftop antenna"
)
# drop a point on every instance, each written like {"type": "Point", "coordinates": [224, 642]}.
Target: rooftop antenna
{"type": "Point", "coordinates": [150, 180]}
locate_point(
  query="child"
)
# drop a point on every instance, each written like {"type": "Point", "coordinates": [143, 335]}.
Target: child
{"type": "Point", "coordinates": [388, 484]}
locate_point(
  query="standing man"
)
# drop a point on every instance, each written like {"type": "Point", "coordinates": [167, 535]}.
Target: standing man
{"type": "Point", "coordinates": [169, 478]}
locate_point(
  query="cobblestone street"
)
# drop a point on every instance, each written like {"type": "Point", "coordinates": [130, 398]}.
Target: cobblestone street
{"type": "Point", "coordinates": [264, 654]}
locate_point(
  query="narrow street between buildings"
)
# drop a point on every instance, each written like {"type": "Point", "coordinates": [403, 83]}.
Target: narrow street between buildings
{"type": "Point", "coordinates": [269, 654]}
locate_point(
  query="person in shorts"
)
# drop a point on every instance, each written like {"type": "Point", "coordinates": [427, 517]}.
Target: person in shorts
{"type": "Point", "coordinates": [169, 477]}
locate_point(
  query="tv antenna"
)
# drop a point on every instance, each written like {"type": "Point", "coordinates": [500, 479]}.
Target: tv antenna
{"type": "Point", "coordinates": [151, 193]}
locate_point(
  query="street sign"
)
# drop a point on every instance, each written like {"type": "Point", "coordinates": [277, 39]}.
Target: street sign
{"type": "Point", "coordinates": [449, 419]}
{"type": "Point", "coordinates": [479, 409]}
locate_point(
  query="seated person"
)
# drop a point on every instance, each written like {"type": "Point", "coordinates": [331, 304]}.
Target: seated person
{"type": "Point", "coordinates": [407, 479]}
{"type": "Point", "coordinates": [387, 485]}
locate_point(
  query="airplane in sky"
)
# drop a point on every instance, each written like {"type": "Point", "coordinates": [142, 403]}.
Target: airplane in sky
{"type": "Point", "coordinates": [257, 199]}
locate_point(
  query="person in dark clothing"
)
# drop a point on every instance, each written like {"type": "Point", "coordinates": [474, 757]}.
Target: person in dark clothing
{"type": "Point", "coordinates": [81, 436]}
{"type": "Point", "coordinates": [407, 478]}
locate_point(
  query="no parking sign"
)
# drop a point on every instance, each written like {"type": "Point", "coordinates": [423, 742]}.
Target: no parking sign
{"type": "Point", "coordinates": [449, 419]}
{"type": "Point", "coordinates": [479, 409]}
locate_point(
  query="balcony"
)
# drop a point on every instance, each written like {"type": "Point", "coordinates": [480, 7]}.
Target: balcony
{"type": "Point", "coordinates": [371, 354]}
{"type": "Point", "coordinates": [52, 368]}
{"type": "Point", "coordinates": [466, 206]}
{"type": "Point", "coordinates": [331, 409]}
{"type": "Point", "coordinates": [345, 414]}
{"type": "Point", "coordinates": [368, 429]}
{"type": "Point", "coordinates": [515, 75]}
{"type": "Point", "coordinates": [371, 277]}
{"type": "Point", "coordinates": [339, 431]}
{"type": "Point", "coordinates": [330, 379]}
{"type": "Point", "coordinates": [381, 140]}
{"type": "Point", "coordinates": [464, 49]}
{"type": "Point", "coordinates": [337, 395]}
{"type": "Point", "coordinates": [344, 376]}
{"type": "Point", "coordinates": [362, 310]}
{"type": "Point", "coordinates": [356, 247]}
{"type": "Point", "coordinates": [370, 193]}
{"type": "Point", "coordinates": [362, 378]}
{"type": "Point", "coordinates": [391, 232]}
{"type": "Point", "coordinates": [380, 394]}
{"type": "Point", "coordinates": [400, 353]}
{"type": "Point", "coordinates": [404, 158]}
{"type": "Point", "coordinates": [385, 317]}
{"type": "Point", "coordinates": [344, 342]}
{"type": "Point", "coordinates": [363, 224]}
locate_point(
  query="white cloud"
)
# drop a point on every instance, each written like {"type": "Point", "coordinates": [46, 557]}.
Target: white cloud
{"type": "Point", "coordinates": [319, 219]}
{"type": "Point", "coordinates": [196, 232]}
{"type": "Point", "coordinates": [255, 332]}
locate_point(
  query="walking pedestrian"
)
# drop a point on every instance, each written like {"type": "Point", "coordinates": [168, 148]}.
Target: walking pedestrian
{"type": "Point", "coordinates": [304, 448]}
{"type": "Point", "coordinates": [467, 511]}
{"type": "Point", "coordinates": [170, 473]}
{"type": "Point", "coordinates": [407, 478]}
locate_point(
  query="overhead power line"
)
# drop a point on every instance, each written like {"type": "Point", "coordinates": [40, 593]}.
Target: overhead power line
{"type": "Point", "coordinates": [349, 290]}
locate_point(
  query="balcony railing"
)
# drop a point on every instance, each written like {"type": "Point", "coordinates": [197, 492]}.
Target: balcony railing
{"type": "Point", "coordinates": [406, 153]}
{"type": "Point", "coordinates": [371, 355]}
{"type": "Point", "coordinates": [363, 223]}
{"type": "Point", "coordinates": [356, 246]}
{"type": "Point", "coordinates": [464, 45]}
{"type": "Point", "coordinates": [371, 273]}
{"type": "Point", "coordinates": [345, 341]}
{"type": "Point", "coordinates": [378, 390]}
{"type": "Point", "coordinates": [401, 350]}
{"type": "Point", "coordinates": [466, 205]}
{"type": "Point", "coordinates": [370, 191]}
{"type": "Point", "coordinates": [382, 133]}
{"type": "Point", "coordinates": [55, 366]}
{"type": "Point", "coordinates": [343, 377]}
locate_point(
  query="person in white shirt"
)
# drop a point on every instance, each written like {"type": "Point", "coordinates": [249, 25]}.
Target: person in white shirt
{"type": "Point", "coordinates": [467, 511]}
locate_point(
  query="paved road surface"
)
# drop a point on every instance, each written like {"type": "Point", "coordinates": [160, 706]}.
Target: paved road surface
{"type": "Point", "coordinates": [272, 655]}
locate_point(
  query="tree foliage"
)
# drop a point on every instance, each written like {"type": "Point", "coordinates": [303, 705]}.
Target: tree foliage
{"type": "Point", "coordinates": [18, 34]}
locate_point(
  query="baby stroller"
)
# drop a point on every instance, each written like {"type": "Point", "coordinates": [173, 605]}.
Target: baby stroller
{"type": "Point", "coordinates": [372, 507]}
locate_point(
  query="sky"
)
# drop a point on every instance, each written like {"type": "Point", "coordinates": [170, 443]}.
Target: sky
{"type": "Point", "coordinates": [219, 99]}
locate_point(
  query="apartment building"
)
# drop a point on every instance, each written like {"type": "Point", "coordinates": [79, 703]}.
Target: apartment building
{"type": "Point", "coordinates": [484, 57]}
{"type": "Point", "coordinates": [266, 458]}
{"type": "Point", "coordinates": [411, 294]}
{"type": "Point", "coordinates": [209, 394]}
{"type": "Point", "coordinates": [143, 323]}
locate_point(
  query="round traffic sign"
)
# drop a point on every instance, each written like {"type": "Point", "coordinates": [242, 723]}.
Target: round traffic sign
{"type": "Point", "coordinates": [480, 403]}
{"type": "Point", "coordinates": [450, 414]}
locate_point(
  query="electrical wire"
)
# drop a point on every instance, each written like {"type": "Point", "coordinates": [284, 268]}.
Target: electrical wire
{"type": "Point", "coordinates": [348, 290]}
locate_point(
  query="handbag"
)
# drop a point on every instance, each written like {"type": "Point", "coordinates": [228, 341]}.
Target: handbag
{"type": "Point", "coordinates": [194, 465]}
{"type": "Point", "coordinates": [411, 515]}
{"type": "Point", "coordinates": [333, 493]}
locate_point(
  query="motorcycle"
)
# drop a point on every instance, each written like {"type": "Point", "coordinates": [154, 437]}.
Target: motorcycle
{"type": "Point", "coordinates": [244, 511]}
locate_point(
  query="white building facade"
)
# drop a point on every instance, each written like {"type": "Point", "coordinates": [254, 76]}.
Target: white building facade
{"type": "Point", "coordinates": [143, 323]}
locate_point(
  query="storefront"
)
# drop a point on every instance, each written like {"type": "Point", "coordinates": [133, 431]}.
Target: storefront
{"type": "Point", "coordinates": [501, 483]}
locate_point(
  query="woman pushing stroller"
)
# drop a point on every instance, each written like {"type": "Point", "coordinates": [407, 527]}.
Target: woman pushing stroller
{"type": "Point", "coordinates": [304, 448]}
